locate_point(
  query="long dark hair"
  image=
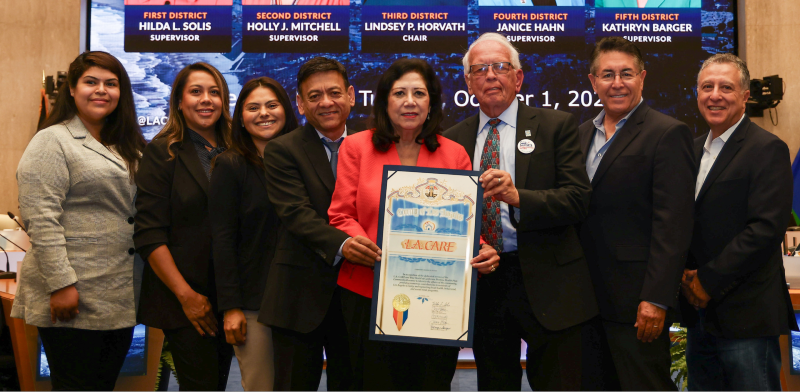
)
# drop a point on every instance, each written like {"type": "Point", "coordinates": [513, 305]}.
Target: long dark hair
{"type": "Point", "coordinates": [384, 134]}
{"type": "Point", "coordinates": [241, 141]}
{"type": "Point", "coordinates": [173, 130]}
{"type": "Point", "coordinates": [120, 129]}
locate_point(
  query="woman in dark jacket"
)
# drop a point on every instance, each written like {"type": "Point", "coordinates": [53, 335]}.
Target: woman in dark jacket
{"type": "Point", "coordinates": [244, 225]}
{"type": "Point", "coordinates": [173, 231]}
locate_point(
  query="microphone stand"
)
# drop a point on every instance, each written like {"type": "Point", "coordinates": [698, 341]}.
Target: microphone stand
{"type": "Point", "coordinates": [8, 274]}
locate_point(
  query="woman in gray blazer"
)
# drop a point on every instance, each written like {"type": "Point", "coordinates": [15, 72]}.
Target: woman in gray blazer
{"type": "Point", "coordinates": [76, 194]}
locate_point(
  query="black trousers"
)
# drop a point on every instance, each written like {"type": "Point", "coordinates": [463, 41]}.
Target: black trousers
{"type": "Point", "coordinates": [504, 317]}
{"type": "Point", "coordinates": [390, 366]}
{"type": "Point", "coordinates": [85, 360]}
{"type": "Point", "coordinates": [298, 356]}
{"type": "Point", "coordinates": [620, 361]}
{"type": "Point", "coordinates": [201, 363]}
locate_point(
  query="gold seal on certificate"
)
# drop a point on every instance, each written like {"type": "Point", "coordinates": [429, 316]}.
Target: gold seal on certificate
{"type": "Point", "coordinates": [428, 232]}
{"type": "Point", "coordinates": [401, 302]}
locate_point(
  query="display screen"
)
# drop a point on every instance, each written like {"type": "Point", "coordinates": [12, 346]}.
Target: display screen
{"type": "Point", "coordinates": [250, 38]}
{"type": "Point", "coordinates": [135, 362]}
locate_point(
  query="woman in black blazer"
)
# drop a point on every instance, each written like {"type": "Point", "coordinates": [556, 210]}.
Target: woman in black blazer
{"type": "Point", "coordinates": [244, 225]}
{"type": "Point", "coordinates": [173, 231]}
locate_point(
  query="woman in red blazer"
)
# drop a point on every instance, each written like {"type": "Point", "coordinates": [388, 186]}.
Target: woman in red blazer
{"type": "Point", "coordinates": [407, 115]}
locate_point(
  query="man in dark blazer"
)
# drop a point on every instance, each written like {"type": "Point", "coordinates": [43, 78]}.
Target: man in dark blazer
{"type": "Point", "coordinates": [302, 302]}
{"type": "Point", "coordinates": [541, 290]}
{"type": "Point", "coordinates": [640, 218]}
{"type": "Point", "coordinates": [735, 301]}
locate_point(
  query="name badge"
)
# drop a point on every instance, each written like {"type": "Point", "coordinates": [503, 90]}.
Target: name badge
{"type": "Point", "coordinates": [526, 146]}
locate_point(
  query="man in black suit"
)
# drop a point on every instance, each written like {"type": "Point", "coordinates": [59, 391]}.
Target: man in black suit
{"type": "Point", "coordinates": [302, 302]}
{"type": "Point", "coordinates": [535, 191]}
{"type": "Point", "coordinates": [735, 302]}
{"type": "Point", "coordinates": [640, 218]}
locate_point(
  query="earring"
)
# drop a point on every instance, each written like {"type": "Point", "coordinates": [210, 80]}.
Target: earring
{"type": "Point", "coordinates": [429, 115]}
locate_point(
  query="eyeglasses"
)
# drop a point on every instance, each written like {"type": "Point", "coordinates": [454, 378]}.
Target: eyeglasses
{"type": "Point", "coordinates": [500, 68]}
{"type": "Point", "coordinates": [609, 77]}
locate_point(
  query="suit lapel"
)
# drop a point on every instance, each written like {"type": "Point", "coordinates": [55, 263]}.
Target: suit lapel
{"type": "Point", "coordinates": [468, 136]}
{"type": "Point", "coordinates": [315, 151]}
{"type": "Point", "coordinates": [586, 141]}
{"type": "Point", "coordinates": [698, 151]}
{"type": "Point", "coordinates": [188, 155]}
{"type": "Point", "coordinates": [729, 150]}
{"type": "Point", "coordinates": [653, 3]}
{"type": "Point", "coordinates": [624, 137]}
{"type": "Point", "coordinates": [79, 131]}
{"type": "Point", "coordinates": [526, 121]}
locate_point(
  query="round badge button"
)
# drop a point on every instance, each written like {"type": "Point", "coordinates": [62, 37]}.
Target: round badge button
{"type": "Point", "coordinates": [526, 146]}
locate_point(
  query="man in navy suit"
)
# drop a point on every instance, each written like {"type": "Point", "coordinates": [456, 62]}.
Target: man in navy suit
{"type": "Point", "coordinates": [735, 301]}
{"type": "Point", "coordinates": [637, 233]}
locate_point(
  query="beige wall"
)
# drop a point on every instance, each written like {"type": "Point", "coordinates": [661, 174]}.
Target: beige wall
{"type": "Point", "coordinates": [772, 33]}
{"type": "Point", "coordinates": [38, 35]}
{"type": "Point", "coordinates": [35, 35]}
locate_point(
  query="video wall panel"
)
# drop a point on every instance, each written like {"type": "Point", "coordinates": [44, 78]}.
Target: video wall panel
{"type": "Point", "coordinates": [250, 38]}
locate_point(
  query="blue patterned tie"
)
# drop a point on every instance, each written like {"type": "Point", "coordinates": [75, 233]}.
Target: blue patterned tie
{"type": "Point", "coordinates": [492, 229]}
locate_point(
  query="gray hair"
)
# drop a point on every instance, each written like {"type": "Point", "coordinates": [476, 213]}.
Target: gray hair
{"type": "Point", "coordinates": [496, 37]}
{"type": "Point", "coordinates": [728, 58]}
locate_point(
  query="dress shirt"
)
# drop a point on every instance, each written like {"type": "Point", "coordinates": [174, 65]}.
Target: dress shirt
{"type": "Point", "coordinates": [599, 144]}
{"type": "Point", "coordinates": [508, 140]}
{"type": "Point", "coordinates": [711, 151]}
{"type": "Point", "coordinates": [324, 138]}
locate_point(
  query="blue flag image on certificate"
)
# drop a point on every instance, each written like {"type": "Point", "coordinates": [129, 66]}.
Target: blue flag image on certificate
{"type": "Point", "coordinates": [428, 232]}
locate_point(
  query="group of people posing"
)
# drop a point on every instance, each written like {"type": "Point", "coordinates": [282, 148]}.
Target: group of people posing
{"type": "Point", "coordinates": [259, 236]}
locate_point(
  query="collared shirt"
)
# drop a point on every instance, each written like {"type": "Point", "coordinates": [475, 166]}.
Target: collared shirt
{"type": "Point", "coordinates": [327, 139]}
{"type": "Point", "coordinates": [508, 139]}
{"type": "Point", "coordinates": [324, 138]}
{"type": "Point", "coordinates": [205, 155]}
{"type": "Point", "coordinates": [711, 151]}
{"type": "Point", "coordinates": [599, 145]}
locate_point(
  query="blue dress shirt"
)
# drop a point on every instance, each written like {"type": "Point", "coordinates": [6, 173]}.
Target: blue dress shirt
{"type": "Point", "coordinates": [599, 144]}
{"type": "Point", "coordinates": [508, 141]}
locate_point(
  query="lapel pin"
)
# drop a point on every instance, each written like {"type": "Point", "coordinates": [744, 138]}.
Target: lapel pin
{"type": "Point", "coordinates": [527, 133]}
{"type": "Point", "coordinates": [526, 146]}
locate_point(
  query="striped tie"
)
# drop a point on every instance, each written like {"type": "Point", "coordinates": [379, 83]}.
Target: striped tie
{"type": "Point", "coordinates": [492, 229]}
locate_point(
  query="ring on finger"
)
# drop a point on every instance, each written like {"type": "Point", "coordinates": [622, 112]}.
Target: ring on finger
{"type": "Point", "coordinates": [499, 180]}
{"type": "Point", "coordinates": [493, 268]}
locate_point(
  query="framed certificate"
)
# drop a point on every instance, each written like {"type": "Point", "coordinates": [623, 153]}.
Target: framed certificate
{"type": "Point", "coordinates": [428, 232]}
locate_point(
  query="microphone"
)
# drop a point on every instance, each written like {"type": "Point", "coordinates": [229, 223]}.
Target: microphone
{"type": "Point", "coordinates": [8, 274]}
{"type": "Point", "coordinates": [14, 218]}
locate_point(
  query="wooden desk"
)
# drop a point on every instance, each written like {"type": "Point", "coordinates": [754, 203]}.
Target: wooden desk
{"type": "Point", "coordinates": [25, 341]}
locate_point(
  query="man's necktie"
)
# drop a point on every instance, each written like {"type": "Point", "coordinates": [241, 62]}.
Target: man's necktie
{"type": "Point", "coordinates": [492, 229]}
{"type": "Point", "coordinates": [334, 147]}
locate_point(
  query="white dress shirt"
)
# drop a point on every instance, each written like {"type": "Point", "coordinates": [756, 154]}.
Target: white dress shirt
{"type": "Point", "coordinates": [508, 140]}
{"type": "Point", "coordinates": [711, 151]}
